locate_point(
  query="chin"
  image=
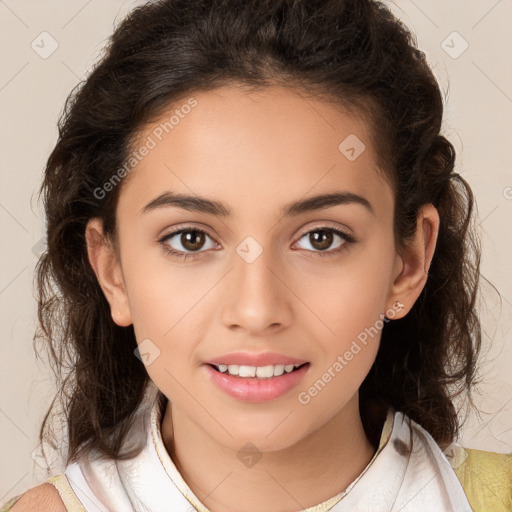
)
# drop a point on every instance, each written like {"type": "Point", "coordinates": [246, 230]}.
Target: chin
{"type": "Point", "coordinates": [266, 436]}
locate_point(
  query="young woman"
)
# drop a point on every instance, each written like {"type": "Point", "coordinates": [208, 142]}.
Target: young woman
{"type": "Point", "coordinates": [261, 274]}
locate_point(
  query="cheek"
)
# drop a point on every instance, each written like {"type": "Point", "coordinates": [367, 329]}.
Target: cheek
{"type": "Point", "coordinates": [168, 306]}
{"type": "Point", "coordinates": [163, 308]}
{"type": "Point", "coordinates": [159, 291]}
{"type": "Point", "coordinates": [351, 307]}
{"type": "Point", "coordinates": [352, 294]}
{"type": "Point", "coordinates": [351, 323]}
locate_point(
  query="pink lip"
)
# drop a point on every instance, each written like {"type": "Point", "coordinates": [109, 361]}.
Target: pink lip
{"type": "Point", "coordinates": [261, 359]}
{"type": "Point", "coordinates": [253, 389]}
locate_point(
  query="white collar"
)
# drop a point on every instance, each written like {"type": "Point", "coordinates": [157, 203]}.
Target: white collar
{"type": "Point", "coordinates": [397, 478]}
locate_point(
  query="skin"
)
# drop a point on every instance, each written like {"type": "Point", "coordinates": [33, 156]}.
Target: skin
{"type": "Point", "coordinates": [290, 299]}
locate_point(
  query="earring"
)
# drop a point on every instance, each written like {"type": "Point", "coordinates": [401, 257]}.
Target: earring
{"type": "Point", "coordinates": [391, 313]}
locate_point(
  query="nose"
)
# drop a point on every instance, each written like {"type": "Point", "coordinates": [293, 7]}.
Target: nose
{"type": "Point", "coordinates": [257, 296]}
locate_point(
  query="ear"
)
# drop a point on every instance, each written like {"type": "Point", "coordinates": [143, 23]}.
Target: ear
{"type": "Point", "coordinates": [412, 264]}
{"type": "Point", "coordinates": [107, 267]}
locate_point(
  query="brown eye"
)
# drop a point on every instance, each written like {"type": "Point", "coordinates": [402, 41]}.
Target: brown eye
{"type": "Point", "coordinates": [192, 240]}
{"type": "Point", "coordinates": [186, 242]}
{"type": "Point", "coordinates": [322, 238]}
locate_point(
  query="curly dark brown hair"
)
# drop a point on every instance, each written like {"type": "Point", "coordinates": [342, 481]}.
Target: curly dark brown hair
{"type": "Point", "coordinates": [354, 53]}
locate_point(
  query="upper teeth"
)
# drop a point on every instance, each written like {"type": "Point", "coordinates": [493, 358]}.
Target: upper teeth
{"type": "Point", "coordinates": [257, 371]}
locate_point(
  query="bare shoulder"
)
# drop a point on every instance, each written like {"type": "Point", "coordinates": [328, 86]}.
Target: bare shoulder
{"type": "Point", "coordinates": [43, 498]}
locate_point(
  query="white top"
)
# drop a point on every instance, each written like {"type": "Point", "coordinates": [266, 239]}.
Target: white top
{"type": "Point", "coordinates": [408, 473]}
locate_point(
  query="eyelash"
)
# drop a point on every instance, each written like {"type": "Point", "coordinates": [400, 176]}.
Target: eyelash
{"type": "Point", "coordinates": [348, 239]}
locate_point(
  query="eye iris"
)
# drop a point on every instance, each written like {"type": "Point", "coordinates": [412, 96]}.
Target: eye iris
{"type": "Point", "coordinates": [325, 237]}
{"type": "Point", "coordinates": [188, 237]}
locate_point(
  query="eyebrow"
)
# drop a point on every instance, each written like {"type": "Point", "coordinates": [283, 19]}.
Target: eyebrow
{"type": "Point", "coordinates": [204, 205]}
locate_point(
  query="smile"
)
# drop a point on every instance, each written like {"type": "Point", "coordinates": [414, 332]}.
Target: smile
{"type": "Point", "coordinates": [256, 383]}
{"type": "Point", "coordinates": [261, 372]}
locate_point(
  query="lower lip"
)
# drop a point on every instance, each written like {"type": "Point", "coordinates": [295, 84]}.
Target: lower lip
{"type": "Point", "coordinates": [253, 389]}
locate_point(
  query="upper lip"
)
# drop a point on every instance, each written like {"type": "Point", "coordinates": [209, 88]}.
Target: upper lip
{"type": "Point", "coordinates": [261, 359]}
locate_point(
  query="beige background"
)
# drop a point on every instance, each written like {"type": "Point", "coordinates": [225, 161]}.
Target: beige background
{"type": "Point", "coordinates": [478, 86]}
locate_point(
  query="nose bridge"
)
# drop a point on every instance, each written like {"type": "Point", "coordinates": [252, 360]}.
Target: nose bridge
{"type": "Point", "coordinates": [257, 296]}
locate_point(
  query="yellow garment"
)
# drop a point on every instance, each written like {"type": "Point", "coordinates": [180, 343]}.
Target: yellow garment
{"type": "Point", "coordinates": [487, 480]}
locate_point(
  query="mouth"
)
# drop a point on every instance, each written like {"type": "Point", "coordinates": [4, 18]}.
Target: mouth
{"type": "Point", "coordinates": [256, 383]}
{"type": "Point", "coordinates": [258, 372]}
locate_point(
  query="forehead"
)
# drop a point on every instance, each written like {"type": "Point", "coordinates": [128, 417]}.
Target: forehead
{"type": "Point", "coordinates": [244, 147]}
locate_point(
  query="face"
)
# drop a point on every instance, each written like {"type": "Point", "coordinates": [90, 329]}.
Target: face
{"type": "Point", "coordinates": [236, 276]}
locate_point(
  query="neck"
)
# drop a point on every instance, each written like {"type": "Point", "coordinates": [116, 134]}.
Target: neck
{"type": "Point", "coordinates": [318, 467]}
